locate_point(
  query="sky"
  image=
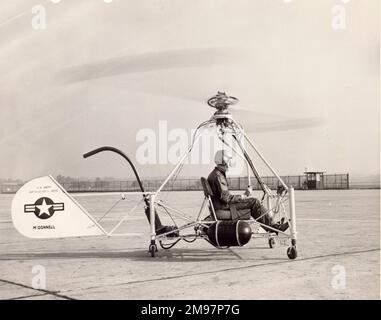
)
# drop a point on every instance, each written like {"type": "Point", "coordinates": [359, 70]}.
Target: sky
{"type": "Point", "coordinates": [106, 73]}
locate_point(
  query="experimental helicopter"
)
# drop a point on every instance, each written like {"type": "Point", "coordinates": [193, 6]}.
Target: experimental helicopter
{"type": "Point", "coordinates": [42, 208]}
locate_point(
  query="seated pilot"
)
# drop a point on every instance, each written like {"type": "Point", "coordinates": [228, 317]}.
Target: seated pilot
{"type": "Point", "coordinates": [240, 206]}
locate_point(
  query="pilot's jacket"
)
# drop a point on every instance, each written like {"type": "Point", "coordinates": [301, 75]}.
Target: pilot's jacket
{"type": "Point", "coordinates": [229, 206]}
{"type": "Point", "coordinates": [222, 198]}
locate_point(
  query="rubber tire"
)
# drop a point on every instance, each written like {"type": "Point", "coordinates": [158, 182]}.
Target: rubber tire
{"type": "Point", "coordinates": [292, 253]}
{"type": "Point", "coordinates": [272, 242]}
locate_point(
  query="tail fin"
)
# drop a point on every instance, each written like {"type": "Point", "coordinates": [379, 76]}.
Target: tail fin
{"type": "Point", "coordinates": [42, 208]}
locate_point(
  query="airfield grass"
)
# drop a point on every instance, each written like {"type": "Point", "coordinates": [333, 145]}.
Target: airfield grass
{"type": "Point", "coordinates": [338, 256]}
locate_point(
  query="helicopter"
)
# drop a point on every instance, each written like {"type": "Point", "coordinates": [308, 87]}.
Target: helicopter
{"type": "Point", "coordinates": [42, 208]}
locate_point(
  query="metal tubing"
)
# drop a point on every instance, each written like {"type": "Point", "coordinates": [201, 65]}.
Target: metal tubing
{"type": "Point", "coordinates": [107, 194]}
{"type": "Point", "coordinates": [252, 166]}
{"type": "Point", "coordinates": [261, 156]}
{"type": "Point", "coordinates": [122, 154]}
{"type": "Point", "coordinates": [241, 156]}
{"type": "Point", "coordinates": [201, 209]}
{"type": "Point", "coordinates": [152, 217]}
{"type": "Point", "coordinates": [292, 214]}
{"type": "Point", "coordinates": [124, 218]}
{"type": "Point", "coordinates": [269, 204]}
{"type": "Point", "coordinates": [247, 163]}
{"type": "Point", "coordinates": [195, 140]}
{"type": "Point", "coordinates": [179, 213]}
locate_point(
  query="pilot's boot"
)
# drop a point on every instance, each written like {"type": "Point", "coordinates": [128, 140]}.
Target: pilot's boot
{"type": "Point", "coordinates": [159, 228]}
{"type": "Point", "coordinates": [281, 225]}
{"type": "Point", "coordinates": [259, 210]}
{"type": "Point", "coordinates": [165, 229]}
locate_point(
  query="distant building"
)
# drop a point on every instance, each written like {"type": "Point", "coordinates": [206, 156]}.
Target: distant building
{"type": "Point", "coordinates": [314, 180]}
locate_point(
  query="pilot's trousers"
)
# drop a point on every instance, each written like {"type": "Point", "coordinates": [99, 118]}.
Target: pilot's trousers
{"type": "Point", "coordinates": [253, 207]}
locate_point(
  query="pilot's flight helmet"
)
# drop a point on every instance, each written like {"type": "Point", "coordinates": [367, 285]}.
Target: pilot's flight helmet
{"type": "Point", "coordinates": [223, 157]}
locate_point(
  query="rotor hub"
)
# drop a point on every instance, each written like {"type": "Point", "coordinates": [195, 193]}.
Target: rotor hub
{"type": "Point", "coordinates": [221, 101]}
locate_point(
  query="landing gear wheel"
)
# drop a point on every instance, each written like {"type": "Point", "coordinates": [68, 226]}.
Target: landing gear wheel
{"type": "Point", "coordinates": [272, 242]}
{"type": "Point", "coordinates": [152, 249]}
{"type": "Point", "coordinates": [292, 253]}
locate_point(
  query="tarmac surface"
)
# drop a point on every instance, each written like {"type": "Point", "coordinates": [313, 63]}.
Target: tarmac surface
{"type": "Point", "coordinates": [338, 256]}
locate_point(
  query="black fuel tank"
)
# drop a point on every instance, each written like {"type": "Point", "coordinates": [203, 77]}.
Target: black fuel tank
{"type": "Point", "coordinates": [229, 233]}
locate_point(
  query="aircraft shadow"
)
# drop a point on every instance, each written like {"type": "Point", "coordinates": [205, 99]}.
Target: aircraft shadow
{"type": "Point", "coordinates": [172, 255]}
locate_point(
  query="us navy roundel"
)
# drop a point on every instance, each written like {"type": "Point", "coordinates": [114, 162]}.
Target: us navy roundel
{"type": "Point", "coordinates": [44, 208]}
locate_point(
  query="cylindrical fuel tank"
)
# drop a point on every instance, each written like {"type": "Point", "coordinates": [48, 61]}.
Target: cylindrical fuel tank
{"type": "Point", "coordinates": [229, 233]}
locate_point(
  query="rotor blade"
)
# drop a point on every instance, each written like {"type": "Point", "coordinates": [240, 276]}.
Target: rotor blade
{"type": "Point", "coordinates": [285, 125]}
{"type": "Point", "coordinates": [184, 58]}
{"type": "Point", "coordinates": [246, 113]}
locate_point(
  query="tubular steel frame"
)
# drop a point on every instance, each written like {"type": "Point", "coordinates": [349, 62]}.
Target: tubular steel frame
{"type": "Point", "coordinates": [223, 123]}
